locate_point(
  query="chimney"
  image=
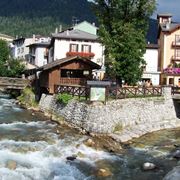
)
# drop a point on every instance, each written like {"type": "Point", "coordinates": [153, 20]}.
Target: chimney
{"type": "Point", "coordinates": [164, 18]}
{"type": "Point", "coordinates": [60, 28]}
{"type": "Point", "coordinates": [67, 32]}
{"type": "Point", "coordinates": [34, 37]}
{"type": "Point", "coordinates": [93, 23]}
{"type": "Point", "coordinates": [56, 30]}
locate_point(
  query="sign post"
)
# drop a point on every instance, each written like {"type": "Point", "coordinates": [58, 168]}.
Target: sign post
{"type": "Point", "coordinates": [99, 90]}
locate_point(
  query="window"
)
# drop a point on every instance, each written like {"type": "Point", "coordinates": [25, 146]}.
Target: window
{"type": "Point", "coordinates": [22, 50]}
{"type": "Point", "coordinates": [18, 51]}
{"type": "Point", "coordinates": [177, 52]}
{"type": "Point", "coordinates": [72, 73]}
{"type": "Point", "coordinates": [73, 47]}
{"type": "Point", "coordinates": [86, 48]}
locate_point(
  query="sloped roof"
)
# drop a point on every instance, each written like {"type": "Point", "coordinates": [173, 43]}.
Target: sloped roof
{"type": "Point", "coordinates": [44, 44]}
{"type": "Point", "coordinates": [169, 27]}
{"type": "Point", "coordinates": [152, 33]}
{"type": "Point", "coordinates": [59, 62]}
{"type": "Point", "coordinates": [75, 34]}
{"type": "Point", "coordinates": [85, 22]}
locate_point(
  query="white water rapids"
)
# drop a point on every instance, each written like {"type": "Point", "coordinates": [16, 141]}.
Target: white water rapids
{"type": "Point", "coordinates": [38, 152]}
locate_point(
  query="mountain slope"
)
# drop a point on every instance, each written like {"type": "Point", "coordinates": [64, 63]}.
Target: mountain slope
{"type": "Point", "coordinates": [25, 17]}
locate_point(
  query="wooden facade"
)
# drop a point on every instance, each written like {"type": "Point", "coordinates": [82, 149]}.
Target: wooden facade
{"type": "Point", "coordinates": [67, 71]}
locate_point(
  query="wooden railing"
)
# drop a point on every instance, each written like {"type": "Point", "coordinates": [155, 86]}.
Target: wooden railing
{"type": "Point", "coordinates": [130, 92]}
{"type": "Point", "coordinates": [79, 81]}
{"type": "Point", "coordinates": [80, 91]}
{"type": "Point", "coordinates": [113, 92]}
{"type": "Point", "coordinates": [13, 83]}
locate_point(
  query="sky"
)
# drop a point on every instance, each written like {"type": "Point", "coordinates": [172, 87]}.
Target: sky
{"type": "Point", "coordinates": [169, 6]}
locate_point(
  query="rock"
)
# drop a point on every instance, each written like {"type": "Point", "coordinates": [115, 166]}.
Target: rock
{"type": "Point", "coordinates": [81, 155]}
{"type": "Point", "coordinates": [33, 114]}
{"type": "Point", "coordinates": [174, 174]}
{"type": "Point", "coordinates": [177, 154]}
{"type": "Point", "coordinates": [11, 165]}
{"type": "Point", "coordinates": [71, 158]}
{"type": "Point", "coordinates": [90, 143]}
{"type": "Point", "coordinates": [149, 166]}
{"type": "Point", "coordinates": [104, 172]}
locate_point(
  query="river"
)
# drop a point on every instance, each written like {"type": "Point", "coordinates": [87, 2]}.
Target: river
{"type": "Point", "coordinates": [31, 149]}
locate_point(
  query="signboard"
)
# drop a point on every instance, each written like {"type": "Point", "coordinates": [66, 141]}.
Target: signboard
{"type": "Point", "coordinates": [98, 94]}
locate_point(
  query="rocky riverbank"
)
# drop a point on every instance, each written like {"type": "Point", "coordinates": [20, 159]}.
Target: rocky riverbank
{"type": "Point", "coordinates": [122, 120]}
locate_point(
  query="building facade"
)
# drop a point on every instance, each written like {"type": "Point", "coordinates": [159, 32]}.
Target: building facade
{"type": "Point", "coordinates": [75, 42]}
{"type": "Point", "coordinates": [169, 51]}
{"type": "Point", "coordinates": [151, 72]}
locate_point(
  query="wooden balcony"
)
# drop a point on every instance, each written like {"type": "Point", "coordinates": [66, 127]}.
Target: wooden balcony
{"type": "Point", "coordinates": [73, 81]}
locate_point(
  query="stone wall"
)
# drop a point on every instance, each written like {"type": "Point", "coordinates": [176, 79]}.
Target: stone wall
{"type": "Point", "coordinates": [122, 119]}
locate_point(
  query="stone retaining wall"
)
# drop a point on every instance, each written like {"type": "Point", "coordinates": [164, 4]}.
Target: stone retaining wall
{"type": "Point", "coordinates": [122, 119]}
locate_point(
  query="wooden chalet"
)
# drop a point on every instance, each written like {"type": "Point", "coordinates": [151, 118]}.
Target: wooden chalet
{"type": "Point", "coordinates": [67, 71]}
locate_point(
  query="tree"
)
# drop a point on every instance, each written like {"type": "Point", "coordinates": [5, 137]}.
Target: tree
{"type": "Point", "coordinates": [8, 66]}
{"type": "Point", "coordinates": [123, 28]}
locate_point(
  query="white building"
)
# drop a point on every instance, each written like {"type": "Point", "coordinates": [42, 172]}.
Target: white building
{"type": "Point", "coordinates": [76, 42]}
{"type": "Point", "coordinates": [151, 69]}
{"type": "Point", "coordinates": [38, 53]}
{"type": "Point", "coordinates": [20, 49]}
{"type": "Point", "coordinates": [21, 46]}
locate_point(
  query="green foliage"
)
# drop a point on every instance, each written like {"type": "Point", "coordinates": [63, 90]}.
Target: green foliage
{"type": "Point", "coordinates": [9, 67]}
{"type": "Point", "coordinates": [123, 28]}
{"type": "Point", "coordinates": [15, 68]}
{"type": "Point", "coordinates": [27, 17]}
{"type": "Point", "coordinates": [4, 51]}
{"type": "Point", "coordinates": [118, 127]}
{"type": "Point", "coordinates": [27, 97]}
{"type": "Point", "coordinates": [64, 98]}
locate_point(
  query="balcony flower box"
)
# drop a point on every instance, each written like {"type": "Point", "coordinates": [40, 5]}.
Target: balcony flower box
{"type": "Point", "coordinates": [82, 54]}
{"type": "Point", "coordinates": [172, 71]}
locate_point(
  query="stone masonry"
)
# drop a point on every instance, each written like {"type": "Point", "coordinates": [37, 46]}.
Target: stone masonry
{"type": "Point", "coordinates": [122, 119]}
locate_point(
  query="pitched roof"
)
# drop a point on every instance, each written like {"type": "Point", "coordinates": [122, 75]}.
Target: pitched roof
{"type": "Point", "coordinates": [41, 44]}
{"type": "Point", "coordinates": [86, 22]}
{"type": "Point", "coordinates": [169, 27]}
{"type": "Point", "coordinates": [59, 62]}
{"type": "Point", "coordinates": [75, 34]}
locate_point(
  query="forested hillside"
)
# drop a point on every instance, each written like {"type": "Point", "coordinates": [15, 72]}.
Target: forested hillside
{"type": "Point", "coordinates": [27, 17]}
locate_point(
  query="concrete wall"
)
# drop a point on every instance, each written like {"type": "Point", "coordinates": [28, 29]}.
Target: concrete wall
{"type": "Point", "coordinates": [122, 119]}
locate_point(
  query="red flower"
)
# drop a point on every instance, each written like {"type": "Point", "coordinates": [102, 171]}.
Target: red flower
{"type": "Point", "coordinates": [82, 54]}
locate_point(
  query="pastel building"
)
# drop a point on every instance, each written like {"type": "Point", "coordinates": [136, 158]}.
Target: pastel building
{"type": "Point", "coordinates": [169, 50]}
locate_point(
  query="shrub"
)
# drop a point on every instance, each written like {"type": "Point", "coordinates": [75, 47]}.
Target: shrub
{"type": "Point", "coordinates": [64, 98]}
{"type": "Point", "coordinates": [27, 97]}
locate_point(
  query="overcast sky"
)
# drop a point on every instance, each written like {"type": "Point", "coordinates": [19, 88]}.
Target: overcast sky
{"type": "Point", "coordinates": [169, 6]}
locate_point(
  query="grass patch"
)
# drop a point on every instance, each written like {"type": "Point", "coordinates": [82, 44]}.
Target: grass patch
{"type": "Point", "coordinates": [118, 127]}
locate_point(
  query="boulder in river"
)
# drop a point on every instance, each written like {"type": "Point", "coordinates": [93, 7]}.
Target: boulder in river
{"type": "Point", "coordinates": [176, 154]}
{"type": "Point", "coordinates": [90, 143]}
{"type": "Point", "coordinates": [104, 172]}
{"type": "Point", "coordinates": [174, 174]}
{"type": "Point", "coordinates": [71, 158]}
{"type": "Point", "coordinates": [148, 166]}
{"type": "Point", "coordinates": [11, 165]}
